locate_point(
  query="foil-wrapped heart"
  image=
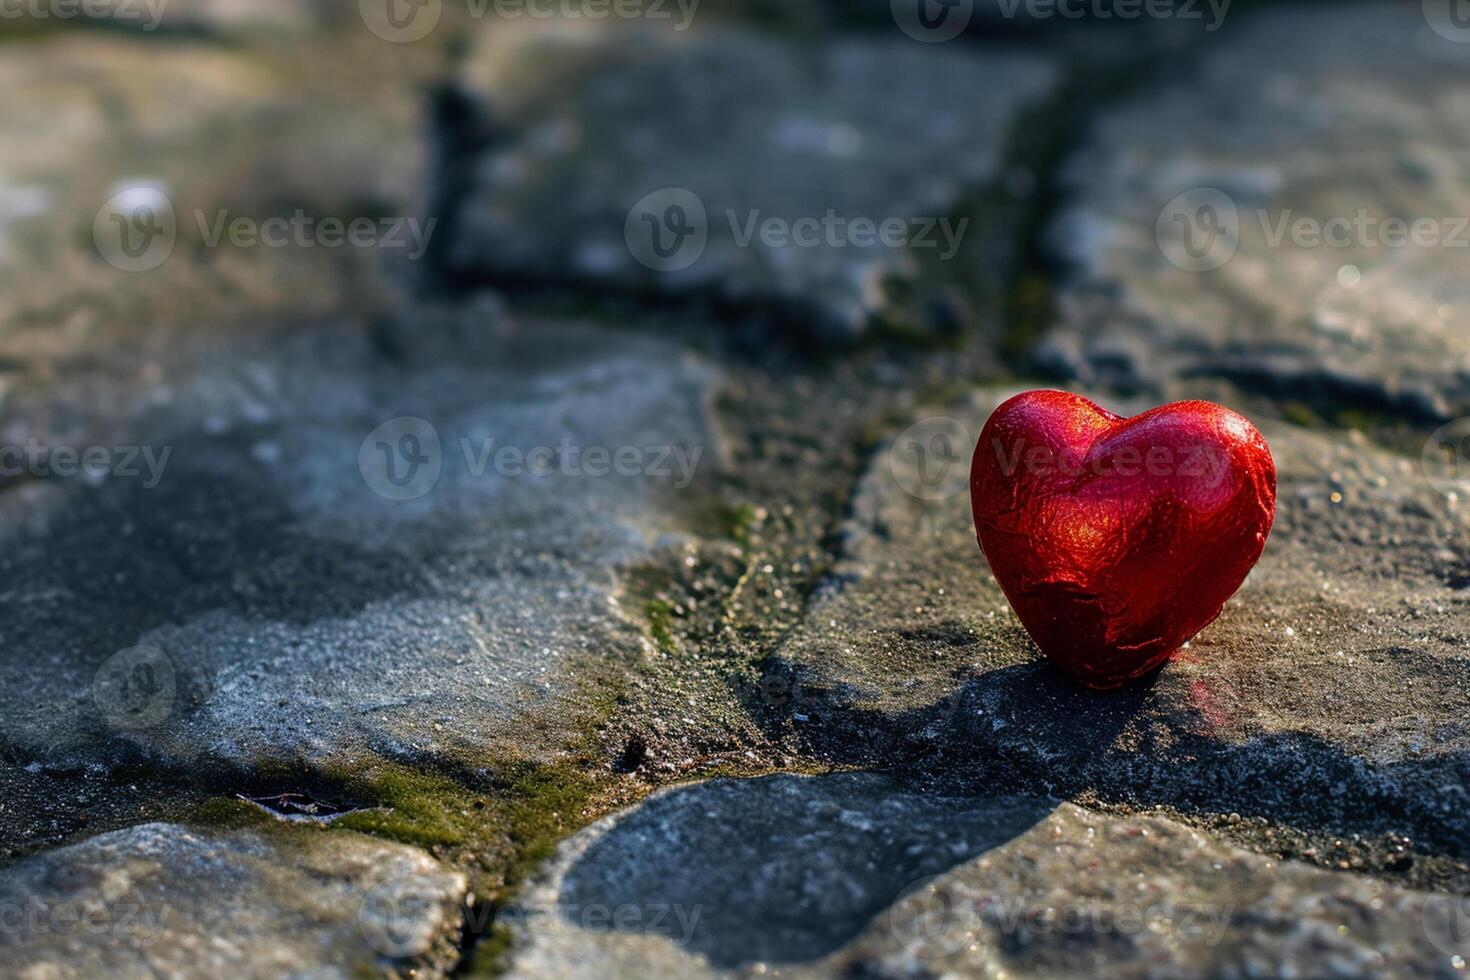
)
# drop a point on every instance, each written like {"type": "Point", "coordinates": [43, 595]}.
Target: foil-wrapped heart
{"type": "Point", "coordinates": [1116, 539]}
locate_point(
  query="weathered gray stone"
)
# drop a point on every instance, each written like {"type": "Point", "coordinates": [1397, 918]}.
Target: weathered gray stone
{"type": "Point", "coordinates": [328, 127]}
{"type": "Point", "coordinates": [602, 134]}
{"type": "Point", "coordinates": [1085, 893]}
{"type": "Point", "coordinates": [161, 900]}
{"type": "Point", "coordinates": [1326, 696]}
{"type": "Point", "coordinates": [278, 605]}
{"type": "Point", "coordinates": [1344, 121]}
{"type": "Point", "coordinates": [856, 875]}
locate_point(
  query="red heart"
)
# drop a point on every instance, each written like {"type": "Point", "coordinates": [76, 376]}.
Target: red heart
{"type": "Point", "coordinates": [1117, 539]}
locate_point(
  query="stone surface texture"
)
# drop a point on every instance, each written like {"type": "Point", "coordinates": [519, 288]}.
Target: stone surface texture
{"type": "Point", "coordinates": [297, 610]}
{"type": "Point", "coordinates": [1320, 190]}
{"type": "Point", "coordinates": [614, 615]}
{"type": "Point", "coordinates": [738, 130]}
{"type": "Point", "coordinates": [966, 887]}
{"type": "Point", "coordinates": [159, 900]}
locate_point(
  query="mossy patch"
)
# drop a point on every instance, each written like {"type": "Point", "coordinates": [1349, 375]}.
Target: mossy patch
{"type": "Point", "coordinates": [660, 614]}
{"type": "Point", "coordinates": [232, 814]}
{"type": "Point", "coordinates": [1299, 414]}
{"type": "Point", "coordinates": [738, 522]}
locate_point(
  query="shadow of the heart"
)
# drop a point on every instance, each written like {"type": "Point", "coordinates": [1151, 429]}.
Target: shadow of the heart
{"type": "Point", "coordinates": [1028, 728]}
{"type": "Point", "coordinates": [781, 869]}
{"type": "Point", "coordinates": [961, 730]}
{"type": "Point", "coordinates": [787, 869]}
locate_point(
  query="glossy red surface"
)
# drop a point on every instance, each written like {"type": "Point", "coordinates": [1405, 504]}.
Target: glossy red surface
{"type": "Point", "coordinates": [1117, 539]}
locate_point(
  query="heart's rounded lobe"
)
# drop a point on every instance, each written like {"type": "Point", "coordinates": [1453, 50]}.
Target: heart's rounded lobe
{"type": "Point", "coordinates": [1116, 539]}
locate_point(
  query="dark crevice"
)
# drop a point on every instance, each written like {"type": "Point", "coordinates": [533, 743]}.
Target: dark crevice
{"type": "Point", "coordinates": [1050, 138]}
{"type": "Point", "coordinates": [1328, 392]}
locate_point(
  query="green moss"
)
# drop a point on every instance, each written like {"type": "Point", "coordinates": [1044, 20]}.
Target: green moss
{"type": "Point", "coordinates": [498, 823]}
{"type": "Point", "coordinates": [739, 521]}
{"type": "Point", "coordinates": [1362, 419]}
{"type": "Point", "coordinates": [544, 805]}
{"type": "Point", "coordinates": [231, 814]}
{"type": "Point", "coordinates": [412, 808]}
{"type": "Point", "coordinates": [661, 623]}
{"type": "Point", "coordinates": [1029, 312]}
{"type": "Point", "coordinates": [914, 336]}
{"type": "Point", "coordinates": [1299, 414]}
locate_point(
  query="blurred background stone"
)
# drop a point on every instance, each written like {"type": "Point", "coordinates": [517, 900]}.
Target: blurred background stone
{"type": "Point", "coordinates": [1362, 126]}
{"type": "Point", "coordinates": [609, 148]}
